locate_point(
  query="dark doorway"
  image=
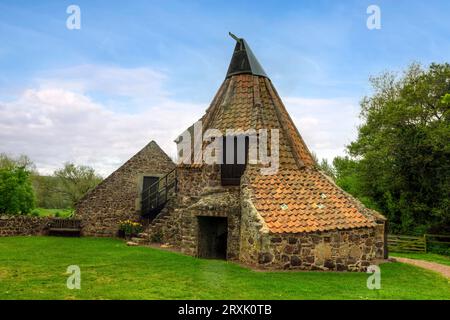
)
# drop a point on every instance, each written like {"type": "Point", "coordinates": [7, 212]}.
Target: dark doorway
{"type": "Point", "coordinates": [148, 181]}
{"type": "Point", "coordinates": [212, 237]}
{"type": "Point", "coordinates": [232, 169]}
{"type": "Point", "coordinates": [149, 190]}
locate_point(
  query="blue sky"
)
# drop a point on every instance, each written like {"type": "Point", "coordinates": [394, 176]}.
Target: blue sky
{"type": "Point", "coordinates": [151, 65]}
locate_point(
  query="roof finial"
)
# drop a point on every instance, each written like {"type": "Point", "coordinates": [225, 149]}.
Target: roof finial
{"type": "Point", "coordinates": [234, 37]}
{"type": "Point", "coordinates": [238, 40]}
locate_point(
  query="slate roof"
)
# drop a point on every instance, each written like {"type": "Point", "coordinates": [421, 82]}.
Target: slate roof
{"type": "Point", "coordinates": [299, 198]}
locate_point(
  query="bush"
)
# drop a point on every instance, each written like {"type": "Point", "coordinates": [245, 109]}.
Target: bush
{"type": "Point", "coordinates": [35, 213]}
{"type": "Point", "coordinates": [438, 248]}
{"type": "Point", "coordinates": [16, 191]}
{"type": "Point", "coordinates": [130, 228]}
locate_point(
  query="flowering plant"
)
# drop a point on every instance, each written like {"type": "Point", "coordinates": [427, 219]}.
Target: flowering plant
{"type": "Point", "coordinates": [130, 228]}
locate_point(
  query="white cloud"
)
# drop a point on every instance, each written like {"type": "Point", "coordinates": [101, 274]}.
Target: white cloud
{"type": "Point", "coordinates": [57, 122]}
{"type": "Point", "coordinates": [326, 125]}
{"type": "Point", "coordinates": [140, 86]}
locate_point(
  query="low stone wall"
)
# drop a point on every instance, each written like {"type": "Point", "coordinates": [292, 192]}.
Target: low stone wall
{"type": "Point", "coordinates": [344, 250]}
{"type": "Point", "coordinates": [337, 250]}
{"type": "Point", "coordinates": [23, 225]}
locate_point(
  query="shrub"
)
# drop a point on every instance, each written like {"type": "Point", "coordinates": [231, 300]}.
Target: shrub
{"type": "Point", "coordinates": [35, 213]}
{"type": "Point", "coordinates": [16, 191]}
{"type": "Point", "coordinates": [439, 248]}
{"type": "Point", "coordinates": [130, 228]}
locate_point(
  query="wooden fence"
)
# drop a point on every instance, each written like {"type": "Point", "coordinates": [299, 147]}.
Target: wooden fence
{"type": "Point", "coordinates": [401, 243]}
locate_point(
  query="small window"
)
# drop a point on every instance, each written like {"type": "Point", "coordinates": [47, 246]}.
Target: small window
{"type": "Point", "coordinates": [233, 169]}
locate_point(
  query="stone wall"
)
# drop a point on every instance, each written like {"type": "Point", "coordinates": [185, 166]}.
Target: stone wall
{"type": "Point", "coordinates": [348, 250]}
{"type": "Point", "coordinates": [118, 196]}
{"type": "Point", "coordinates": [336, 250]}
{"type": "Point", "coordinates": [218, 204]}
{"type": "Point", "coordinates": [194, 182]}
{"type": "Point", "coordinates": [254, 232]}
{"type": "Point", "coordinates": [23, 225]}
{"type": "Point", "coordinates": [200, 194]}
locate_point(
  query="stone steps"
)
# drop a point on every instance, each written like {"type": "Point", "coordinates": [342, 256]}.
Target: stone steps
{"type": "Point", "coordinates": [160, 220]}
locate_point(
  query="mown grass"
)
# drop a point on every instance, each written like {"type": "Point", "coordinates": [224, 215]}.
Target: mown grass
{"type": "Point", "coordinates": [35, 268]}
{"type": "Point", "coordinates": [432, 257]}
{"type": "Point", "coordinates": [44, 212]}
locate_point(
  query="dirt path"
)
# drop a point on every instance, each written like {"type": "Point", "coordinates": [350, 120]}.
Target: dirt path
{"type": "Point", "coordinates": [442, 269]}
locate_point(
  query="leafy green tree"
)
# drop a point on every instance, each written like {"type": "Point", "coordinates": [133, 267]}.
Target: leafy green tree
{"type": "Point", "coordinates": [16, 191]}
{"type": "Point", "coordinates": [401, 158]}
{"type": "Point", "coordinates": [348, 177]}
{"type": "Point", "coordinates": [327, 168]}
{"type": "Point", "coordinates": [76, 181]}
{"type": "Point", "coordinates": [48, 195]}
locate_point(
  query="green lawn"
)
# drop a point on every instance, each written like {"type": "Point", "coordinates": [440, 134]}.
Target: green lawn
{"type": "Point", "coordinates": [423, 256]}
{"type": "Point", "coordinates": [43, 212]}
{"type": "Point", "coordinates": [34, 268]}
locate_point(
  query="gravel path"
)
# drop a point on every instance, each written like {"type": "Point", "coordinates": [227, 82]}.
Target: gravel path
{"type": "Point", "coordinates": [442, 269]}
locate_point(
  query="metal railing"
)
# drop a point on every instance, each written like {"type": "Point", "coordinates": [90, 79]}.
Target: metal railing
{"type": "Point", "coordinates": [157, 194]}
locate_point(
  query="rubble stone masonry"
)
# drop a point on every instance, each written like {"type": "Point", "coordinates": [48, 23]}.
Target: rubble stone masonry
{"type": "Point", "coordinates": [23, 225]}
{"type": "Point", "coordinates": [249, 239]}
{"type": "Point", "coordinates": [118, 197]}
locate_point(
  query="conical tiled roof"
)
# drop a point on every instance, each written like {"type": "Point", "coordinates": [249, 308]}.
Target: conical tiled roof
{"type": "Point", "coordinates": [298, 198]}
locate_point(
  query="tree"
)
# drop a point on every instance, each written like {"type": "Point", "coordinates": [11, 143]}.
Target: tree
{"type": "Point", "coordinates": [47, 191]}
{"type": "Point", "coordinates": [16, 191]}
{"type": "Point", "coordinates": [348, 177]}
{"type": "Point", "coordinates": [401, 158]}
{"type": "Point", "coordinates": [327, 168]}
{"type": "Point", "coordinates": [20, 161]}
{"type": "Point", "coordinates": [76, 181]}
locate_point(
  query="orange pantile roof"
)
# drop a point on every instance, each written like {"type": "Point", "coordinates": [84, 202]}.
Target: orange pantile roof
{"type": "Point", "coordinates": [304, 200]}
{"type": "Point", "coordinates": [298, 198]}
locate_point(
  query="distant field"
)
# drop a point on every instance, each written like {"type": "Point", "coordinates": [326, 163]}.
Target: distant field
{"type": "Point", "coordinates": [35, 268]}
{"type": "Point", "coordinates": [43, 212]}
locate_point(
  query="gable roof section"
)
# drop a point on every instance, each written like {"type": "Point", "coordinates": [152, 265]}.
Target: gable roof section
{"type": "Point", "coordinates": [146, 154]}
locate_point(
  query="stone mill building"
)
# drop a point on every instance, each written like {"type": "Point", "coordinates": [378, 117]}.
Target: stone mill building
{"type": "Point", "coordinates": [293, 217]}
